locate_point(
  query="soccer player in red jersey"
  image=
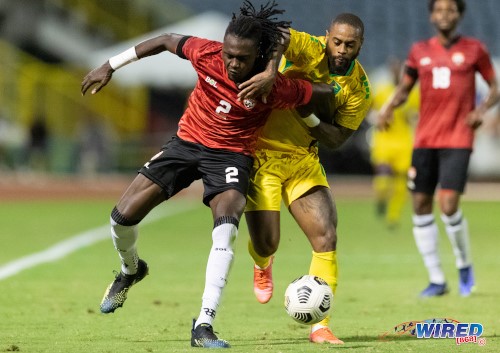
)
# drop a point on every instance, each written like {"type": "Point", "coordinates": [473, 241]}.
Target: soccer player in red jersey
{"type": "Point", "coordinates": [446, 66]}
{"type": "Point", "coordinates": [215, 142]}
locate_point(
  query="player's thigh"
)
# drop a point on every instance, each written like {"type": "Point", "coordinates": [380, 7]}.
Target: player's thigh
{"type": "Point", "coordinates": [379, 154]}
{"type": "Point", "coordinates": [224, 171]}
{"type": "Point", "coordinates": [453, 178]}
{"type": "Point", "coordinates": [453, 167]}
{"type": "Point", "coordinates": [228, 203]}
{"type": "Point", "coordinates": [165, 174]}
{"type": "Point", "coordinates": [140, 198]}
{"type": "Point", "coordinates": [316, 214]}
{"type": "Point", "coordinates": [306, 173]}
{"type": "Point", "coordinates": [266, 181]}
{"type": "Point", "coordinates": [401, 160]}
{"type": "Point", "coordinates": [424, 171]}
{"type": "Point", "coordinates": [174, 167]}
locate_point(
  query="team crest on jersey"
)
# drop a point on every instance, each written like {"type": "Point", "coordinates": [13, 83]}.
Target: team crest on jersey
{"type": "Point", "coordinates": [458, 58]}
{"type": "Point", "coordinates": [425, 61]}
{"type": "Point", "coordinates": [249, 103]}
{"type": "Point", "coordinates": [335, 87]}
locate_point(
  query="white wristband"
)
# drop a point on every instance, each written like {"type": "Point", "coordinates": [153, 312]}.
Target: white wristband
{"type": "Point", "coordinates": [123, 58]}
{"type": "Point", "coordinates": [311, 121]}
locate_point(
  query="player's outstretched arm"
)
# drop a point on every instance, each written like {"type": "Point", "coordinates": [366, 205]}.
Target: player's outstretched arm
{"type": "Point", "coordinates": [99, 77]}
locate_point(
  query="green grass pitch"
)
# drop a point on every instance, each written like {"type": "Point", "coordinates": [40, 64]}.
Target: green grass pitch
{"type": "Point", "coordinates": [54, 307]}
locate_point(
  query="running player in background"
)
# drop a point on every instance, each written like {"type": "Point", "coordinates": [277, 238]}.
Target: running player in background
{"type": "Point", "coordinates": [391, 148]}
{"type": "Point", "coordinates": [446, 66]}
{"type": "Point", "coordinates": [287, 165]}
{"type": "Point", "coordinates": [215, 142]}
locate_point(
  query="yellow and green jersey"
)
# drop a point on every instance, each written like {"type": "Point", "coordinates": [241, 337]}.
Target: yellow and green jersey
{"type": "Point", "coordinates": [306, 58]}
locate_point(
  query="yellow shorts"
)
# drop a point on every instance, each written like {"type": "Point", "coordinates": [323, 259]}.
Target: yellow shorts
{"type": "Point", "coordinates": [287, 175]}
{"type": "Point", "coordinates": [396, 154]}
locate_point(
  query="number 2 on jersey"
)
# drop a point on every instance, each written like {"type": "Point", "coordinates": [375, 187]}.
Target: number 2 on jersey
{"type": "Point", "coordinates": [224, 107]}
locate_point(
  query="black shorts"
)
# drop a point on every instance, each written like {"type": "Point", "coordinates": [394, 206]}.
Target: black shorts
{"type": "Point", "coordinates": [444, 166]}
{"type": "Point", "coordinates": [179, 163]}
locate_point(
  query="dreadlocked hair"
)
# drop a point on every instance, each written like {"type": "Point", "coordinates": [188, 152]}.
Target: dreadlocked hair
{"type": "Point", "coordinates": [260, 26]}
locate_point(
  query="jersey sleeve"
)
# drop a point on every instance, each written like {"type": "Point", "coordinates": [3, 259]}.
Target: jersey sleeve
{"type": "Point", "coordinates": [299, 41]}
{"type": "Point", "coordinates": [484, 64]}
{"type": "Point", "coordinates": [351, 115]}
{"type": "Point", "coordinates": [411, 64]}
{"type": "Point", "coordinates": [193, 48]}
{"type": "Point", "coordinates": [290, 93]}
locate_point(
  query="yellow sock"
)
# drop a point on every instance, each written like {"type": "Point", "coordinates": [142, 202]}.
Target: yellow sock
{"type": "Point", "coordinates": [260, 261]}
{"type": "Point", "coordinates": [381, 185]}
{"type": "Point", "coordinates": [397, 199]}
{"type": "Point", "coordinates": [324, 265]}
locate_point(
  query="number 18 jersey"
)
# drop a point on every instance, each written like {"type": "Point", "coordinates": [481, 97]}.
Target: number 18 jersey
{"type": "Point", "coordinates": [447, 89]}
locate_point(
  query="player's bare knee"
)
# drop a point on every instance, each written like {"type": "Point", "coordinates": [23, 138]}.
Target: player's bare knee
{"type": "Point", "coordinates": [324, 241]}
{"type": "Point", "coordinates": [265, 244]}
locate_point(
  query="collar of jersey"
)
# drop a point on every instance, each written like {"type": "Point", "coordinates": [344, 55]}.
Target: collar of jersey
{"type": "Point", "coordinates": [349, 71]}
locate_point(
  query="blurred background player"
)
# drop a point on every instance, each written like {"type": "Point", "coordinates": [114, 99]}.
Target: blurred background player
{"type": "Point", "coordinates": [391, 147]}
{"type": "Point", "coordinates": [446, 66]}
{"type": "Point", "coordinates": [215, 142]}
{"type": "Point", "coordinates": [287, 165]}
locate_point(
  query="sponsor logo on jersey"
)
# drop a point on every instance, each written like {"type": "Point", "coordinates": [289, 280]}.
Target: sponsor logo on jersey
{"type": "Point", "coordinates": [211, 81]}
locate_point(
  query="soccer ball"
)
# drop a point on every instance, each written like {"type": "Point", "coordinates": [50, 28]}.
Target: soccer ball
{"type": "Point", "coordinates": [308, 299]}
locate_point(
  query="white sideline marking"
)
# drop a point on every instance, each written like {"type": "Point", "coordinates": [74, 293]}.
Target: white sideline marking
{"type": "Point", "coordinates": [75, 243]}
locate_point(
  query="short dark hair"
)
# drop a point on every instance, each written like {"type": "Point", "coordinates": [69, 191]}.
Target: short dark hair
{"type": "Point", "coordinates": [460, 5]}
{"type": "Point", "coordinates": [259, 25]}
{"type": "Point", "coordinates": [351, 20]}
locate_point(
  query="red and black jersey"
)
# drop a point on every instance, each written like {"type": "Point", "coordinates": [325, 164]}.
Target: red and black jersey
{"type": "Point", "coordinates": [214, 117]}
{"type": "Point", "coordinates": [448, 89]}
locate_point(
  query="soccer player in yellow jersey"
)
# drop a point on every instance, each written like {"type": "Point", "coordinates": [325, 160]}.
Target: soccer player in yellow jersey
{"type": "Point", "coordinates": [391, 148]}
{"type": "Point", "coordinates": [287, 166]}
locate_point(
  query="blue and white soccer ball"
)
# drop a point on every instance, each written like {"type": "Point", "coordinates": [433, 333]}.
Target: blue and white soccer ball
{"type": "Point", "coordinates": [308, 299]}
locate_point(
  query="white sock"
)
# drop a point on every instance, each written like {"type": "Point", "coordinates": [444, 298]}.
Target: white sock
{"type": "Point", "coordinates": [426, 232]}
{"type": "Point", "coordinates": [218, 266]}
{"type": "Point", "coordinates": [124, 239]}
{"type": "Point", "coordinates": [458, 233]}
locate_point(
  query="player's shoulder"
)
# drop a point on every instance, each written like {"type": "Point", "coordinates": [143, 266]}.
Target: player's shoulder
{"type": "Point", "coordinates": [471, 43]}
{"type": "Point", "coordinates": [472, 40]}
{"type": "Point", "coordinates": [307, 39]}
{"type": "Point", "coordinates": [203, 45]}
{"type": "Point", "coordinates": [359, 74]}
{"type": "Point", "coordinates": [358, 69]}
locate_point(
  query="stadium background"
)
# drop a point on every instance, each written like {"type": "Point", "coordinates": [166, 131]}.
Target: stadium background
{"type": "Point", "coordinates": [47, 46]}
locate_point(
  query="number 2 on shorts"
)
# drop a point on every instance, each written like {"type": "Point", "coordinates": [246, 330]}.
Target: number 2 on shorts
{"type": "Point", "coordinates": [231, 175]}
